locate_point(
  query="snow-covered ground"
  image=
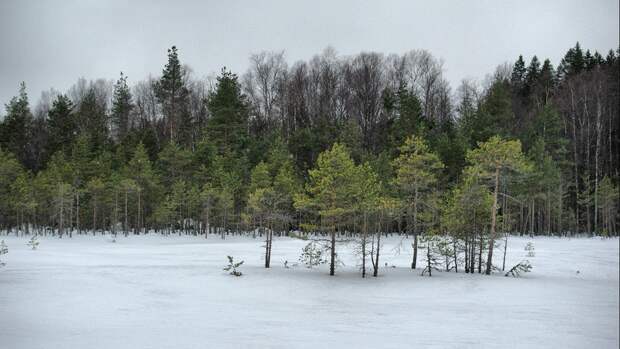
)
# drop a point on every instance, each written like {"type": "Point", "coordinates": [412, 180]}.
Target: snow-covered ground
{"type": "Point", "coordinates": [171, 292]}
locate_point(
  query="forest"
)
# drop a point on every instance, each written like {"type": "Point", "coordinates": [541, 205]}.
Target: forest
{"type": "Point", "coordinates": [341, 147]}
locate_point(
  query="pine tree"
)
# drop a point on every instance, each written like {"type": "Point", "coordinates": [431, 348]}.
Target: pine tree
{"type": "Point", "coordinates": [417, 169]}
{"type": "Point", "coordinates": [208, 197]}
{"type": "Point", "coordinates": [270, 194]}
{"type": "Point", "coordinates": [465, 215]}
{"type": "Point", "coordinates": [23, 201]}
{"type": "Point", "coordinates": [10, 171]}
{"type": "Point", "coordinates": [328, 192]}
{"type": "Point", "coordinates": [608, 205]}
{"type": "Point", "coordinates": [366, 193]}
{"type": "Point", "coordinates": [95, 189]}
{"type": "Point", "coordinates": [491, 160]}
{"type": "Point", "coordinates": [262, 203]}
{"type": "Point", "coordinates": [174, 164]}
{"type": "Point", "coordinates": [140, 170]}
{"type": "Point", "coordinates": [227, 184]}
{"type": "Point", "coordinates": [4, 249]}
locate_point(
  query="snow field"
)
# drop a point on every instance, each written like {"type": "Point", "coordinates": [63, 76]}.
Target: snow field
{"type": "Point", "coordinates": [170, 292]}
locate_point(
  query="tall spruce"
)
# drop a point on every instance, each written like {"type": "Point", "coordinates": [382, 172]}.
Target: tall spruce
{"type": "Point", "coordinates": [173, 95]}
{"type": "Point", "coordinates": [122, 106]}
{"type": "Point", "coordinates": [16, 128]}
{"type": "Point", "coordinates": [228, 126]}
{"type": "Point", "coordinates": [62, 124]}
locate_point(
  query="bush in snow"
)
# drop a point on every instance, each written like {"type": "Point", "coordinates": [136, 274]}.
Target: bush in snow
{"type": "Point", "coordinates": [312, 255]}
{"type": "Point", "coordinates": [286, 265]}
{"type": "Point", "coordinates": [232, 267]}
{"type": "Point", "coordinates": [3, 250]}
{"type": "Point", "coordinates": [530, 249]}
{"type": "Point", "coordinates": [445, 248]}
{"type": "Point", "coordinates": [521, 267]}
{"type": "Point", "coordinates": [33, 242]}
{"type": "Point", "coordinates": [429, 243]}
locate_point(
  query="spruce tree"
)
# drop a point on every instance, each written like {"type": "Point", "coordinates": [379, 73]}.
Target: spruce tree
{"type": "Point", "coordinates": [122, 106]}
{"type": "Point", "coordinates": [494, 116]}
{"type": "Point", "coordinates": [93, 120]}
{"type": "Point", "coordinates": [62, 124]}
{"type": "Point", "coordinates": [408, 121]}
{"type": "Point", "coordinates": [173, 95]}
{"type": "Point", "coordinates": [518, 74]}
{"type": "Point", "coordinates": [532, 75]}
{"type": "Point", "coordinates": [227, 127]}
{"type": "Point", "coordinates": [16, 128]}
{"type": "Point", "coordinates": [10, 170]}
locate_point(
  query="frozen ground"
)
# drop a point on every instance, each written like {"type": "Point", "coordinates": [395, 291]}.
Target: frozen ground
{"type": "Point", "coordinates": [171, 292]}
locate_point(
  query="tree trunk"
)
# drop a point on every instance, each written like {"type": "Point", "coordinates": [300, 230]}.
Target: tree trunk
{"type": "Point", "coordinates": [260, 228]}
{"type": "Point", "coordinates": [125, 225]}
{"type": "Point", "coordinates": [480, 255]}
{"type": "Point", "coordinates": [375, 271]}
{"type": "Point", "coordinates": [364, 234]}
{"type": "Point", "coordinates": [332, 265]}
{"type": "Point", "coordinates": [493, 221]}
{"type": "Point", "coordinates": [415, 230]}
{"type": "Point", "coordinates": [94, 215]}
{"type": "Point", "coordinates": [575, 159]}
{"type": "Point", "coordinates": [61, 214]}
{"type": "Point", "coordinates": [456, 264]}
{"type": "Point", "coordinates": [139, 211]}
{"type": "Point", "coordinates": [466, 255]}
{"type": "Point", "coordinates": [428, 258]}
{"type": "Point", "coordinates": [77, 212]}
{"type": "Point", "coordinates": [505, 248]}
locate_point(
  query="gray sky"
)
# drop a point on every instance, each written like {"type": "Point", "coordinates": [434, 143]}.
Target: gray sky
{"type": "Point", "coordinates": [53, 43]}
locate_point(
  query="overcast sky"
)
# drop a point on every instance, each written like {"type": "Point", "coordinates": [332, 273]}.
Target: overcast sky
{"type": "Point", "coordinates": [52, 43]}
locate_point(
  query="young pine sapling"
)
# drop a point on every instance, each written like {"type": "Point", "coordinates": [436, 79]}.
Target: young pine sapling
{"type": "Point", "coordinates": [232, 267]}
{"type": "Point", "coordinates": [521, 267]}
{"type": "Point", "coordinates": [530, 249]}
{"type": "Point", "coordinates": [33, 242]}
{"type": "Point", "coordinates": [3, 250]}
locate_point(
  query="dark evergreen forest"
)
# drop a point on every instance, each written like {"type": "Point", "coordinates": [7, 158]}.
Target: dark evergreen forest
{"type": "Point", "coordinates": [342, 145]}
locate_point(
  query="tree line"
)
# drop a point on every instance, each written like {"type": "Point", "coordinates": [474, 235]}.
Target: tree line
{"type": "Point", "coordinates": [333, 145]}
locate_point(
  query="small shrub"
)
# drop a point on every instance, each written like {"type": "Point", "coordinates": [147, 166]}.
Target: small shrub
{"type": "Point", "coordinates": [232, 267]}
{"type": "Point", "coordinates": [33, 242]}
{"type": "Point", "coordinates": [312, 255]}
{"type": "Point", "coordinates": [521, 267]}
{"type": "Point", "coordinates": [530, 249]}
{"type": "Point", "coordinates": [3, 250]}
